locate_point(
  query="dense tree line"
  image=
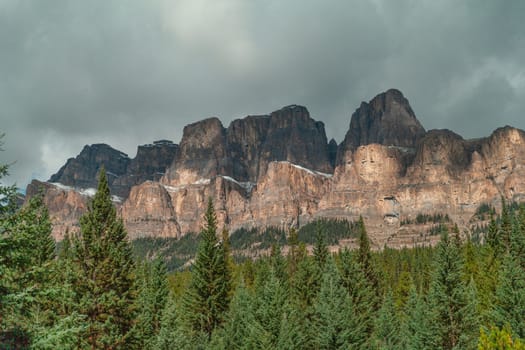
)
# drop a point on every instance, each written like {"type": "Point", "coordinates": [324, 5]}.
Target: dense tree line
{"type": "Point", "coordinates": [94, 295]}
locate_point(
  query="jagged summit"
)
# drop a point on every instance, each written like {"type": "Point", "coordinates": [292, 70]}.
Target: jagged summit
{"type": "Point", "coordinates": [82, 170]}
{"type": "Point", "coordinates": [149, 164]}
{"type": "Point", "coordinates": [387, 119]}
{"type": "Point", "coordinates": [278, 169]}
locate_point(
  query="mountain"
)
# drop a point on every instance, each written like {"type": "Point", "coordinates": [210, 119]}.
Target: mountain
{"type": "Point", "coordinates": [150, 163]}
{"type": "Point", "coordinates": [279, 170]}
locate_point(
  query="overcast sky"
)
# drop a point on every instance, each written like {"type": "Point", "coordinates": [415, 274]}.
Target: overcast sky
{"type": "Point", "coordinates": [130, 72]}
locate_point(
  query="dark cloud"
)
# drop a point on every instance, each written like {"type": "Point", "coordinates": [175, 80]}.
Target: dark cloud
{"type": "Point", "coordinates": [129, 72]}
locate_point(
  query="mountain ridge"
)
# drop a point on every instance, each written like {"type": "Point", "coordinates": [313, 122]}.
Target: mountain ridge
{"type": "Point", "coordinates": [280, 170]}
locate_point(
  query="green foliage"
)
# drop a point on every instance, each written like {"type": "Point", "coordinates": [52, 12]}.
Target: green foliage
{"type": "Point", "coordinates": [454, 320]}
{"type": "Point", "coordinates": [28, 289]}
{"type": "Point", "coordinates": [208, 295]}
{"type": "Point", "coordinates": [416, 330]}
{"type": "Point", "coordinates": [509, 306]}
{"type": "Point", "coordinates": [333, 231]}
{"type": "Point", "coordinates": [499, 339]}
{"type": "Point", "coordinates": [169, 326]}
{"type": "Point", "coordinates": [255, 237]}
{"type": "Point", "coordinates": [336, 320]}
{"type": "Point", "coordinates": [364, 257]}
{"type": "Point", "coordinates": [422, 219]}
{"type": "Point", "coordinates": [151, 302]}
{"type": "Point", "coordinates": [360, 290]}
{"type": "Point", "coordinates": [104, 283]}
{"type": "Point", "coordinates": [175, 252]}
{"type": "Point", "coordinates": [95, 295]}
{"type": "Point", "coordinates": [320, 248]}
{"type": "Point", "coordinates": [485, 211]}
{"type": "Point", "coordinates": [387, 326]}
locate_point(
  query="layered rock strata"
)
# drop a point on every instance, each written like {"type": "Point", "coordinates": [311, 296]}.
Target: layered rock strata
{"type": "Point", "coordinates": [279, 170]}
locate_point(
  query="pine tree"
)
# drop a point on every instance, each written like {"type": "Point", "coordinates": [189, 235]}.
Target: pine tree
{"type": "Point", "coordinates": [448, 298]}
{"type": "Point", "coordinates": [320, 248]}
{"type": "Point", "coordinates": [494, 237]}
{"type": "Point", "coordinates": [364, 257]}
{"type": "Point", "coordinates": [361, 294]}
{"type": "Point", "coordinates": [271, 299]}
{"type": "Point", "coordinates": [509, 305]}
{"type": "Point", "coordinates": [506, 224]}
{"type": "Point", "coordinates": [499, 339]}
{"type": "Point", "coordinates": [278, 263]}
{"type": "Point", "coordinates": [336, 324]}
{"type": "Point", "coordinates": [387, 326]}
{"type": "Point", "coordinates": [416, 331]}
{"type": "Point", "coordinates": [8, 203]}
{"type": "Point", "coordinates": [306, 283]}
{"type": "Point", "coordinates": [237, 331]}
{"type": "Point", "coordinates": [151, 302]}
{"type": "Point", "coordinates": [105, 281]}
{"type": "Point", "coordinates": [169, 336]}
{"type": "Point", "coordinates": [517, 239]}
{"type": "Point", "coordinates": [27, 289]}
{"type": "Point", "coordinates": [208, 296]}
{"type": "Point", "coordinates": [293, 251]}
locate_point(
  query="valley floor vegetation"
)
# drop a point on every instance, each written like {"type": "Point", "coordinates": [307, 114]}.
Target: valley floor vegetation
{"type": "Point", "coordinates": [93, 293]}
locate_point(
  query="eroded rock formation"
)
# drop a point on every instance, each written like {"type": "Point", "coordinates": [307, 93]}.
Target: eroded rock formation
{"type": "Point", "coordinates": [279, 170]}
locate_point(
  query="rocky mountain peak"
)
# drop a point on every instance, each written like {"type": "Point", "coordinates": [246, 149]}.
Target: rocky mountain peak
{"type": "Point", "coordinates": [202, 153]}
{"type": "Point", "coordinates": [82, 170]}
{"type": "Point", "coordinates": [387, 119]}
{"type": "Point", "coordinates": [149, 164]}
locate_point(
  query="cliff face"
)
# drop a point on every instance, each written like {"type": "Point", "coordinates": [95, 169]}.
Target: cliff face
{"type": "Point", "coordinates": [387, 119]}
{"type": "Point", "coordinates": [123, 173]}
{"type": "Point", "coordinates": [82, 171]}
{"type": "Point", "coordinates": [279, 170]}
{"type": "Point", "coordinates": [244, 150]}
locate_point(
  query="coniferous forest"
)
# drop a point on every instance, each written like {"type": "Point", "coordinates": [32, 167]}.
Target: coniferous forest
{"type": "Point", "coordinates": [93, 293]}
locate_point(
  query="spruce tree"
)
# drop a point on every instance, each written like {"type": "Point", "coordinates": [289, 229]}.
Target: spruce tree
{"type": "Point", "coordinates": [278, 263]}
{"type": "Point", "coordinates": [448, 298]}
{"type": "Point", "coordinates": [306, 283]}
{"type": "Point", "coordinates": [105, 281]}
{"type": "Point", "coordinates": [517, 239]}
{"type": "Point", "coordinates": [416, 331]}
{"type": "Point", "coordinates": [387, 326]}
{"type": "Point", "coordinates": [336, 323]}
{"type": "Point", "coordinates": [361, 294]}
{"type": "Point", "coordinates": [293, 251]}
{"type": "Point", "coordinates": [169, 336]}
{"type": "Point", "coordinates": [271, 299]}
{"type": "Point", "coordinates": [506, 224]}
{"type": "Point", "coordinates": [151, 301]}
{"type": "Point", "coordinates": [364, 256]}
{"type": "Point", "coordinates": [240, 320]}
{"type": "Point", "coordinates": [509, 305]}
{"type": "Point", "coordinates": [28, 292]}
{"type": "Point", "coordinates": [320, 248]}
{"type": "Point", "coordinates": [499, 339]}
{"type": "Point", "coordinates": [494, 237]}
{"type": "Point", "coordinates": [208, 296]}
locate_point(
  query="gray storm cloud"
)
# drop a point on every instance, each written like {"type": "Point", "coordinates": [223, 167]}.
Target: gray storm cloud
{"type": "Point", "coordinates": [129, 72]}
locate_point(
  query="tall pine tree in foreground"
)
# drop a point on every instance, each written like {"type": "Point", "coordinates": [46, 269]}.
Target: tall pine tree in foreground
{"type": "Point", "coordinates": [509, 306]}
{"type": "Point", "coordinates": [387, 325]}
{"type": "Point", "coordinates": [416, 331]}
{"type": "Point", "coordinates": [27, 292]}
{"type": "Point", "coordinates": [151, 301]}
{"type": "Point", "coordinates": [105, 281]}
{"type": "Point", "coordinates": [208, 296]}
{"type": "Point", "coordinates": [336, 322]}
{"type": "Point", "coordinates": [454, 319]}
